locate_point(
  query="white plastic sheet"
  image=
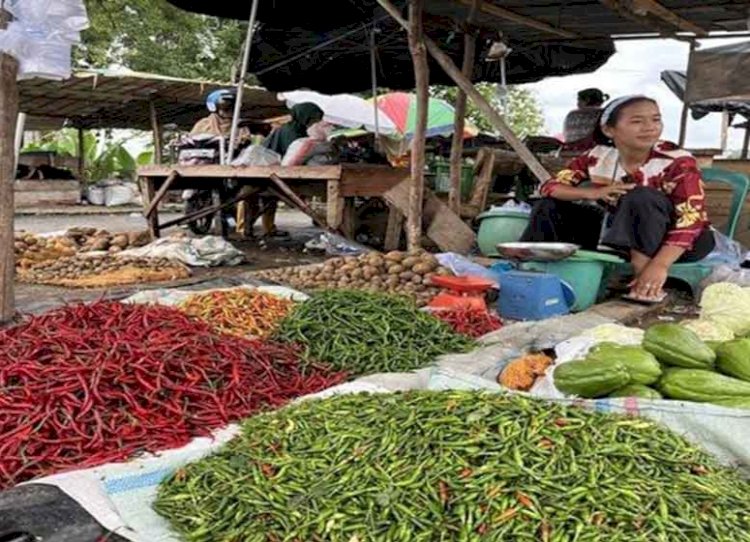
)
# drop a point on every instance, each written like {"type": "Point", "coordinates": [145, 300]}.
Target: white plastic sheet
{"type": "Point", "coordinates": [42, 35]}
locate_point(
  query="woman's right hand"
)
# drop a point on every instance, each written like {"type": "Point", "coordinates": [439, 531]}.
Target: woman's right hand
{"type": "Point", "coordinates": [608, 193]}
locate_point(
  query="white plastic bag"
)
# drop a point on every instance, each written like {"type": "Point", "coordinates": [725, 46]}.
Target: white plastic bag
{"type": "Point", "coordinates": [257, 155]}
{"type": "Point", "coordinates": [95, 195]}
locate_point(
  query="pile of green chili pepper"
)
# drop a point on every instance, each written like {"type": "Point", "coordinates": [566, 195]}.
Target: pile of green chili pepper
{"type": "Point", "coordinates": [365, 332]}
{"type": "Point", "coordinates": [463, 466]}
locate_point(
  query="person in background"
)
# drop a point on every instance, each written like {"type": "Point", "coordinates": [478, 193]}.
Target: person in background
{"type": "Point", "coordinates": [652, 190]}
{"type": "Point", "coordinates": [579, 124]}
{"type": "Point", "coordinates": [220, 105]}
{"type": "Point", "coordinates": [304, 115]}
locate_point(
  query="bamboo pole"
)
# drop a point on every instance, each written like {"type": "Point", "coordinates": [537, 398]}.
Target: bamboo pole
{"type": "Point", "coordinates": [459, 124]}
{"type": "Point", "coordinates": [495, 118]}
{"type": "Point", "coordinates": [8, 118]}
{"type": "Point", "coordinates": [422, 79]}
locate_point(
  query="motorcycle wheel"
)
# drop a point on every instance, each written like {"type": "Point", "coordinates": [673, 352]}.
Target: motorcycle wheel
{"type": "Point", "coordinates": [202, 226]}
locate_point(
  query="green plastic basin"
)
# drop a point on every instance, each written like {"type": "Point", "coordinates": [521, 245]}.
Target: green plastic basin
{"type": "Point", "coordinates": [500, 226]}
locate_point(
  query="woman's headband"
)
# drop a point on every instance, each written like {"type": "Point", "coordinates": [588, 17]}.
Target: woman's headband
{"type": "Point", "coordinates": [617, 102]}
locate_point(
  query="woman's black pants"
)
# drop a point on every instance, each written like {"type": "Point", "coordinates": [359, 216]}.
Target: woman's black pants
{"type": "Point", "coordinates": [640, 222]}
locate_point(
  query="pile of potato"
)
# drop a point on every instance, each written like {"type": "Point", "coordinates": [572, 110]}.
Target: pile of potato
{"type": "Point", "coordinates": [32, 249]}
{"type": "Point", "coordinates": [79, 267]}
{"type": "Point", "coordinates": [405, 273]}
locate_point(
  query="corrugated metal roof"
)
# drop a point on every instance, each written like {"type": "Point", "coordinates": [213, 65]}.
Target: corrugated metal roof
{"type": "Point", "coordinates": [102, 99]}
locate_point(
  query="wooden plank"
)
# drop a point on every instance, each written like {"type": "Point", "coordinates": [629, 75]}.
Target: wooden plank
{"type": "Point", "coordinates": [495, 118]}
{"type": "Point", "coordinates": [668, 16]}
{"type": "Point", "coordinates": [335, 205]}
{"type": "Point", "coordinates": [484, 180]}
{"type": "Point", "coordinates": [443, 226]}
{"type": "Point", "coordinates": [149, 194]}
{"type": "Point", "coordinates": [349, 219]}
{"type": "Point", "coordinates": [154, 203]}
{"type": "Point", "coordinates": [8, 118]}
{"type": "Point", "coordinates": [394, 228]}
{"type": "Point", "coordinates": [502, 13]}
{"type": "Point", "coordinates": [459, 123]}
{"type": "Point", "coordinates": [321, 173]}
{"type": "Point", "coordinates": [370, 181]}
{"type": "Point", "coordinates": [419, 138]}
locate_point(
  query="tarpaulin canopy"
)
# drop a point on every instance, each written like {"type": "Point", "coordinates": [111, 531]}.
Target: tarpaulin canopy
{"type": "Point", "coordinates": [284, 59]}
{"type": "Point", "coordinates": [720, 73]}
{"type": "Point", "coordinates": [677, 81]}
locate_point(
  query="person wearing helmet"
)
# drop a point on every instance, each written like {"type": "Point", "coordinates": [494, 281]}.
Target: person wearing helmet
{"type": "Point", "coordinates": [220, 105]}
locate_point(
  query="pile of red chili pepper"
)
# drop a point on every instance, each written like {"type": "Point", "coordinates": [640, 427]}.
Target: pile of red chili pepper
{"type": "Point", "coordinates": [90, 384]}
{"type": "Point", "coordinates": [472, 322]}
{"type": "Point", "coordinates": [239, 311]}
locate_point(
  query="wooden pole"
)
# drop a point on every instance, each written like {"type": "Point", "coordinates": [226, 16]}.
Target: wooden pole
{"type": "Point", "coordinates": [157, 133]}
{"type": "Point", "coordinates": [8, 118]}
{"type": "Point", "coordinates": [685, 103]}
{"type": "Point", "coordinates": [457, 148]}
{"type": "Point", "coordinates": [724, 130]}
{"type": "Point", "coordinates": [495, 118]}
{"type": "Point", "coordinates": [418, 143]}
{"type": "Point", "coordinates": [746, 142]}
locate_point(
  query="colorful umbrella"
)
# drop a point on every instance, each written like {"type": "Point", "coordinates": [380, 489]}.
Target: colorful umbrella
{"type": "Point", "coordinates": [401, 108]}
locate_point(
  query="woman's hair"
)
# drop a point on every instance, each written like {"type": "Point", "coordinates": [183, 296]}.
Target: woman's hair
{"type": "Point", "coordinates": [592, 97]}
{"type": "Point", "coordinates": [610, 116]}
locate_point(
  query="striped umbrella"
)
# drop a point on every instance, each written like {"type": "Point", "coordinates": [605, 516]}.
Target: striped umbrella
{"type": "Point", "coordinates": [401, 108]}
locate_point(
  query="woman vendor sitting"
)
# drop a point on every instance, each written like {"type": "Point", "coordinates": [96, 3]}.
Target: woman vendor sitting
{"type": "Point", "coordinates": [652, 190]}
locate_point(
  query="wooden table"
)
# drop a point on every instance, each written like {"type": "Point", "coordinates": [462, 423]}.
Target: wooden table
{"type": "Point", "coordinates": [338, 185]}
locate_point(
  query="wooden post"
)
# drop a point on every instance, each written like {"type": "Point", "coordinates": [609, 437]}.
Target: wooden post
{"type": "Point", "coordinates": [81, 154]}
{"type": "Point", "coordinates": [418, 143]}
{"type": "Point", "coordinates": [149, 201]}
{"type": "Point", "coordinates": [685, 104]}
{"type": "Point", "coordinates": [457, 148]}
{"type": "Point", "coordinates": [724, 130]}
{"type": "Point", "coordinates": [335, 205]}
{"type": "Point", "coordinates": [8, 118]}
{"type": "Point", "coordinates": [156, 129]}
{"type": "Point", "coordinates": [495, 118]}
{"type": "Point", "coordinates": [393, 229]}
{"type": "Point", "coordinates": [746, 141]}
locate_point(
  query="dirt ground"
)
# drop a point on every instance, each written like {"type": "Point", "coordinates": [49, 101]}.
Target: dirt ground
{"type": "Point", "coordinates": [259, 254]}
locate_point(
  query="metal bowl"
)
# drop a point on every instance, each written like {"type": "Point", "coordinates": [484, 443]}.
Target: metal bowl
{"type": "Point", "coordinates": [536, 252]}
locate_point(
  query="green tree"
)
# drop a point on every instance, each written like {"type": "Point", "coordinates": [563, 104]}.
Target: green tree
{"type": "Point", "coordinates": [155, 37]}
{"type": "Point", "coordinates": [524, 114]}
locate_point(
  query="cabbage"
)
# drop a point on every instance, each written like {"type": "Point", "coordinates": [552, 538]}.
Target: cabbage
{"type": "Point", "coordinates": [728, 305]}
{"type": "Point", "coordinates": [708, 330]}
{"type": "Point", "coordinates": [615, 333]}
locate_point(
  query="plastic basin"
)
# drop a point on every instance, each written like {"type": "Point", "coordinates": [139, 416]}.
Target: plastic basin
{"type": "Point", "coordinates": [500, 226]}
{"type": "Point", "coordinates": [583, 274]}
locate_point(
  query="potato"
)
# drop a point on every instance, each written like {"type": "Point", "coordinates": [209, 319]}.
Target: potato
{"type": "Point", "coordinates": [422, 269]}
{"type": "Point", "coordinates": [393, 281]}
{"type": "Point", "coordinates": [409, 262]}
{"type": "Point", "coordinates": [406, 275]}
{"type": "Point", "coordinates": [442, 271]}
{"type": "Point", "coordinates": [394, 256]}
{"type": "Point", "coordinates": [416, 279]}
{"type": "Point", "coordinates": [396, 269]}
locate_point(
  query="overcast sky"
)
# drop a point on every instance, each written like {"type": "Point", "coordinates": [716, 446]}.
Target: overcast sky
{"type": "Point", "coordinates": [635, 69]}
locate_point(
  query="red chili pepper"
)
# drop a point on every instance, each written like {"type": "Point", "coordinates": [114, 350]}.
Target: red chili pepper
{"type": "Point", "coordinates": [470, 321]}
{"type": "Point", "coordinates": [91, 384]}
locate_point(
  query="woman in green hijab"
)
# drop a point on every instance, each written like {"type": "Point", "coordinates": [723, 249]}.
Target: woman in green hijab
{"type": "Point", "coordinates": [304, 115]}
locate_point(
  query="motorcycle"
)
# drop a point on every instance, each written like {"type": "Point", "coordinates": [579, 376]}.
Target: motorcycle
{"type": "Point", "coordinates": [201, 149]}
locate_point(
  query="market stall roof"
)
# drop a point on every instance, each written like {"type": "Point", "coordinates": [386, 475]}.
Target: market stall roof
{"type": "Point", "coordinates": [719, 73]}
{"type": "Point", "coordinates": [106, 99]}
{"type": "Point", "coordinates": [677, 81]}
{"type": "Point", "coordinates": [297, 48]}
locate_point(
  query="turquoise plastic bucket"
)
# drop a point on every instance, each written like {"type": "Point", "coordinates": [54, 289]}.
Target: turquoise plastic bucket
{"type": "Point", "coordinates": [500, 226]}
